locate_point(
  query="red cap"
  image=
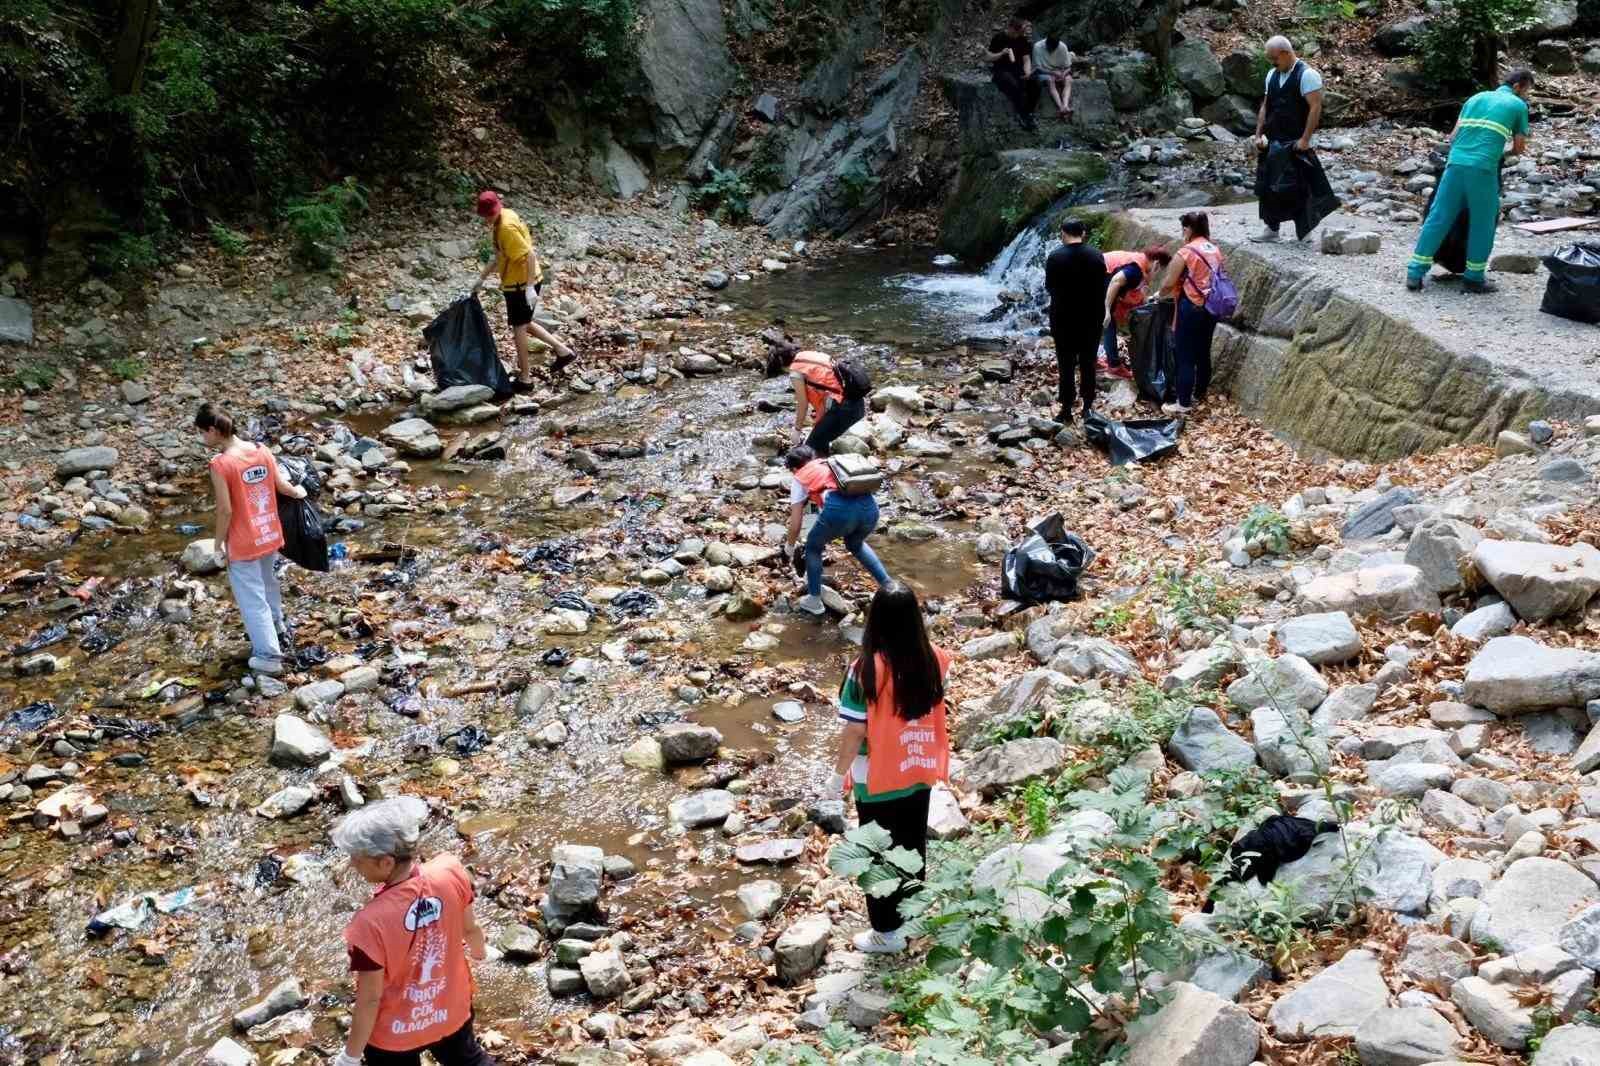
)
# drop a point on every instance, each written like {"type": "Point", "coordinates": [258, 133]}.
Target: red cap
{"type": "Point", "coordinates": [488, 203]}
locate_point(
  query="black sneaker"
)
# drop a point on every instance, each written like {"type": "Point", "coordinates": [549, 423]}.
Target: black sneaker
{"type": "Point", "coordinates": [1479, 286]}
{"type": "Point", "coordinates": [562, 362]}
{"type": "Point", "coordinates": [1414, 284]}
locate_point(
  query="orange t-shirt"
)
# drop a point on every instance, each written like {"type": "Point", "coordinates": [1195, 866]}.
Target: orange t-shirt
{"type": "Point", "coordinates": [903, 754]}
{"type": "Point", "coordinates": [415, 931]}
{"type": "Point", "coordinates": [1200, 258]}
{"type": "Point", "coordinates": [822, 381]}
{"type": "Point", "coordinates": [252, 481]}
{"type": "Point", "coordinates": [1130, 297]}
{"type": "Point", "coordinates": [817, 478]}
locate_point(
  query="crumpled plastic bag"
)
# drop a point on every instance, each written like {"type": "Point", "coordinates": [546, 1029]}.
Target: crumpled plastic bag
{"type": "Point", "coordinates": [1134, 441]}
{"type": "Point", "coordinates": [1046, 566]}
{"type": "Point", "coordinates": [1573, 290]}
{"type": "Point", "coordinates": [135, 912]}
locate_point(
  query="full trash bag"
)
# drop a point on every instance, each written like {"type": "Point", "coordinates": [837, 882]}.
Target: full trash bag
{"type": "Point", "coordinates": [304, 540]}
{"type": "Point", "coordinates": [1134, 441]}
{"type": "Point", "coordinates": [1046, 565]}
{"type": "Point", "coordinates": [1452, 254]}
{"type": "Point", "coordinates": [1152, 353]}
{"type": "Point", "coordinates": [1573, 290]}
{"type": "Point", "coordinates": [1293, 187]}
{"type": "Point", "coordinates": [461, 348]}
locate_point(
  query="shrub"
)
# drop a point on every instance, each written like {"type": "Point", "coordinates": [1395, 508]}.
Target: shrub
{"type": "Point", "coordinates": [33, 377]}
{"type": "Point", "coordinates": [1459, 45]}
{"type": "Point", "coordinates": [126, 369]}
{"type": "Point", "coordinates": [855, 182]}
{"type": "Point", "coordinates": [232, 243]}
{"type": "Point", "coordinates": [727, 194]}
{"type": "Point", "coordinates": [1269, 526]}
{"type": "Point", "coordinates": [319, 222]}
{"type": "Point", "coordinates": [126, 253]}
{"type": "Point", "coordinates": [1196, 600]}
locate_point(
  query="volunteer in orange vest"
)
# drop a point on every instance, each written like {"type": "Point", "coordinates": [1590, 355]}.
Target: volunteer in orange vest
{"type": "Point", "coordinates": [1189, 282]}
{"type": "Point", "coordinates": [246, 480]}
{"type": "Point", "coordinates": [409, 944]}
{"type": "Point", "coordinates": [848, 518]}
{"type": "Point", "coordinates": [818, 396]}
{"type": "Point", "coordinates": [894, 747]}
{"type": "Point", "coordinates": [1126, 273]}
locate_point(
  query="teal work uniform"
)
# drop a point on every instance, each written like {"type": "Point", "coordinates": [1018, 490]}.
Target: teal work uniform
{"type": "Point", "coordinates": [1471, 180]}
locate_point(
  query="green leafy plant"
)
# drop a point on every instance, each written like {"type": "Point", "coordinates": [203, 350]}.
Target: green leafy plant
{"type": "Point", "coordinates": [1111, 618]}
{"type": "Point", "coordinates": [1269, 527]}
{"type": "Point", "coordinates": [319, 222]}
{"type": "Point", "coordinates": [1038, 806]}
{"type": "Point", "coordinates": [855, 183]}
{"type": "Point", "coordinates": [869, 855]}
{"type": "Point", "coordinates": [1271, 924]}
{"type": "Point", "coordinates": [1460, 44]}
{"type": "Point", "coordinates": [127, 368]}
{"type": "Point", "coordinates": [1197, 601]}
{"type": "Point", "coordinates": [33, 377]}
{"type": "Point", "coordinates": [126, 253]}
{"type": "Point", "coordinates": [231, 242]}
{"type": "Point", "coordinates": [727, 194]}
{"type": "Point", "coordinates": [1325, 11]}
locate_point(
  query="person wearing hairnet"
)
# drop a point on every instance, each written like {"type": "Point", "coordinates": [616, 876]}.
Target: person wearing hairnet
{"type": "Point", "coordinates": [409, 944]}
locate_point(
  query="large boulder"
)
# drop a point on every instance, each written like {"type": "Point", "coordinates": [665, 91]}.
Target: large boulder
{"type": "Point", "coordinates": [1554, 18]}
{"type": "Point", "coordinates": [1437, 547]}
{"type": "Point", "coordinates": [686, 68]}
{"type": "Point", "coordinates": [414, 437]}
{"type": "Point", "coordinates": [296, 742]}
{"type": "Point", "coordinates": [1013, 762]}
{"type": "Point", "coordinates": [618, 171]}
{"type": "Point", "coordinates": [1569, 1045]}
{"type": "Point", "coordinates": [697, 810]}
{"type": "Point", "coordinates": [1393, 871]}
{"type": "Point", "coordinates": [1319, 639]}
{"type": "Point", "coordinates": [1202, 743]}
{"type": "Point", "coordinates": [1234, 113]}
{"type": "Point", "coordinates": [1132, 78]}
{"type": "Point", "coordinates": [1400, 38]}
{"type": "Point", "coordinates": [1513, 674]}
{"type": "Point", "coordinates": [1495, 1011]}
{"type": "Point", "coordinates": [1020, 696]}
{"type": "Point", "coordinates": [1194, 1028]}
{"type": "Point", "coordinates": [71, 463]}
{"type": "Point", "coordinates": [1285, 682]}
{"type": "Point", "coordinates": [1014, 873]}
{"type": "Point", "coordinates": [1393, 591]}
{"type": "Point", "coordinates": [1245, 72]}
{"type": "Point", "coordinates": [994, 199]}
{"type": "Point", "coordinates": [16, 321]}
{"type": "Point", "coordinates": [1540, 581]}
{"type": "Point", "coordinates": [1093, 657]}
{"type": "Point", "coordinates": [1530, 904]}
{"type": "Point", "coordinates": [1198, 69]}
{"type": "Point", "coordinates": [1336, 1002]}
{"type": "Point", "coordinates": [1404, 1036]}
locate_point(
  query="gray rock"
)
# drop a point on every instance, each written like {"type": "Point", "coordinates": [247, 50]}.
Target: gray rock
{"type": "Point", "coordinates": [700, 809]}
{"type": "Point", "coordinates": [1013, 762]}
{"type": "Point", "coordinates": [993, 646]}
{"type": "Point", "coordinates": [318, 695]}
{"type": "Point", "coordinates": [1198, 70]}
{"type": "Point", "coordinates": [1448, 811]}
{"type": "Point", "coordinates": [1485, 623]}
{"type": "Point", "coordinates": [1400, 38]}
{"type": "Point", "coordinates": [1539, 431]}
{"type": "Point", "coordinates": [765, 107]}
{"type": "Point", "coordinates": [1434, 958]}
{"type": "Point", "coordinates": [533, 699]}
{"type": "Point", "coordinates": [604, 974]}
{"type": "Point", "coordinates": [1336, 1002]}
{"type": "Point", "coordinates": [1514, 674]}
{"type": "Point", "coordinates": [286, 802]}
{"type": "Point", "coordinates": [1195, 1028]}
{"type": "Point", "coordinates": [1437, 547]}
{"type": "Point", "coordinates": [1540, 581]}
{"type": "Point", "coordinates": [866, 1007]}
{"type": "Point", "coordinates": [1347, 703]}
{"type": "Point", "coordinates": [563, 982]}
{"type": "Point", "coordinates": [454, 398]}
{"type": "Point", "coordinates": [285, 996]}
{"type": "Point", "coordinates": [800, 948]}
{"type": "Point", "coordinates": [519, 943]}
{"type": "Point", "coordinates": [1484, 793]}
{"type": "Point", "coordinates": [1413, 779]}
{"type": "Point", "coordinates": [686, 68]}
{"type": "Point", "coordinates": [715, 280]}
{"type": "Point", "coordinates": [1014, 872]}
{"type": "Point", "coordinates": [1569, 1045]}
{"type": "Point", "coordinates": [1093, 657]}
{"type": "Point", "coordinates": [759, 900]}
{"type": "Point", "coordinates": [1587, 757]}
{"type": "Point", "coordinates": [1404, 1036]}
{"type": "Point", "coordinates": [1394, 870]}
{"type": "Point", "coordinates": [576, 872]}
{"type": "Point", "coordinates": [414, 437]}
{"type": "Point", "coordinates": [1337, 241]}
{"type": "Point", "coordinates": [70, 464]}
{"type": "Point", "coordinates": [1285, 682]}
{"type": "Point", "coordinates": [1320, 638]}
{"type": "Point", "coordinates": [1201, 669]}
{"type": "Point", "coordinates": [1528, 906]}
{"type": "Point", "coordinates": [1563, 470]}
{"type": "Point", "coordinates": [296, 742]}
{"type": "Point", "coordinates": [1393, 591]}
{"type": "Point", "coordinates": [1202, 743]}
{"type": "Point", "coordinates": [1494, 1011]}
{"type": "Point", "coordinates": [200, 557]}
{"type": "Point", "coordinates": [16, 321]}
{"type": "Point", "coordinates": [1580, 937]}
{"type": "Point", "coordinates": [226, 1052]}
{"type": "Point", "coordinates": [1376, 517]}
{"type": "Point", "coordinates": [685, 742]}
{"type": "Point", "coordinates": [827, 815]}
{"type": "Point", "coordinates": [1228, 973]}
{"type": "Point", "coordinates": [1286, 744]}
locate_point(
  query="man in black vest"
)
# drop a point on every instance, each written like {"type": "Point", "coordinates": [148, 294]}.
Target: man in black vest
{"type": "Point", "coordinates": [1290, 184]}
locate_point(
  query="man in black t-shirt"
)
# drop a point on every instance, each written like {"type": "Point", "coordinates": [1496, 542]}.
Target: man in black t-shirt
{"type": "Point", "coordinates": [1075, 279]}
{"type": "Point", "coordinates": [1010, 55]}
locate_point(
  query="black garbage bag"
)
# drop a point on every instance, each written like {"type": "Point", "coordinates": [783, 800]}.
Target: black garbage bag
{"type": "Point", "coordinates": [304, 540]}
{"type": "Point", "coordinates": [27, 719]}
{"type": "Point", "coordinates": [1134, 441]}
{"type": "Point", "coordinates": [1292, 187]}
{"type": "Point", "coordinates": [1452, 254]}
{"type": "Point", "coordinates": [461, 348]}
{"type": "Point", "coordinates": [301, 472]}
{"type": "Point", "coordinates": [1277, 841]}
{"type": "Point", "coordinates": [1573, 290]}
{"type": "Point", "coordinates": [1046, 566]}
{"type": "Point", "coordinates": [1152, 352]}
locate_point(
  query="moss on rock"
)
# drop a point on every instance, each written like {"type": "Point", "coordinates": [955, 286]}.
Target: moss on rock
{"type": "Point", "coordinates": [997, 196]}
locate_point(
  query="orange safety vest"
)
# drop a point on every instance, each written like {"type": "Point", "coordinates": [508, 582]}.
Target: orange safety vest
{"type": "Point", "coordinates": [822, 381]}
{"type": "Point", "coordinates": [1133, 297]}
{"type": "Point", "coordinates": [1202, 259]}
{"type": "Point", "coordinates": [817, 478]}
{"type": "Point", "coordinates": [415, 930]}
{"type": "Point", "coordinates": [254, 530]}
{"type": "Point", "coordinates": [903, 754]}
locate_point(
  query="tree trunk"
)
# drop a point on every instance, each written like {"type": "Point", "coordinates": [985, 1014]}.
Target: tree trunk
{"type": "Point", "coordinates": [1485, 61]}
{"type": "Point", "coordinates": [1166, 23]}
{"type": "Point", "coordinates": [137, 30]}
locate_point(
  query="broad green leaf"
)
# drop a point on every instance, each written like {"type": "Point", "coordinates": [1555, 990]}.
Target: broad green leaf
{"type": "Point", "coordinates": [904, 859]}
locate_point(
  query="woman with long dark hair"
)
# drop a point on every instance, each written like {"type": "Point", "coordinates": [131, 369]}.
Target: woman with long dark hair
{"type": "Point", "coordinates": [1189, 283]}
{"type": "Point", "coordinates": [895, 746]}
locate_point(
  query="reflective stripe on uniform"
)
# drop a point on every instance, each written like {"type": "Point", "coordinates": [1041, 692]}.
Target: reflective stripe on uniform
{"type": "Point", "coordinates": [1488, 124]}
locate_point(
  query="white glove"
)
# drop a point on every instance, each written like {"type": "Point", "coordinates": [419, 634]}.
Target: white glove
{"type": "Point", "coordinates": [346, 1059]}
{"type": "Point", "coordinates": [531, 293]}
{"type": "Point", "coordinates": [834, 787]}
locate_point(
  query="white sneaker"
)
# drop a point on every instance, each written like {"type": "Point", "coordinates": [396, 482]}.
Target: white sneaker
{"type": "Point", "coordinates": [1176, 409]}
{"type": "Point", "coordinates": [873, 942]}
{"type": "Point", "coordinates": [271, 667]}
{"type": "Point", "coordinates": [811, 605]}
{"type": "Point", "coordinates": [1267, 235]}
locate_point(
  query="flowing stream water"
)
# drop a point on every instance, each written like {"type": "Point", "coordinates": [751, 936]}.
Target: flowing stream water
{"type": "Point", "coordinates": [275, 895]}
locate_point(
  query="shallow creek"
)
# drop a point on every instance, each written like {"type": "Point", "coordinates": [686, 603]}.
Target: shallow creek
{"type": "Point", "coordinates": [276, 896]}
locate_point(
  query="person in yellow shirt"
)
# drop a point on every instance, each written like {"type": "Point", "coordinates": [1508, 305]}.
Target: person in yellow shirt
{"type": "Point", "coordinates": [521, 278]}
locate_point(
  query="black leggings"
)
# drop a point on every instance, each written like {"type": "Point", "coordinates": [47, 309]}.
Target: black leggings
{"type": "Point", "coordinates": [906, 819]}
{"type": "Point", "coordinates": [460, 1048]}
{"type": "Point", "coordinates": [1022, 92]}
{"type": "Point", "coordinates": [833, 424]}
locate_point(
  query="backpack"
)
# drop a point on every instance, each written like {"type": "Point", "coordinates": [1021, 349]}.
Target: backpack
{"type": "Point", "coordinates": [856, 474]}
{"type": "Point", "coordinates": [853, 379]}
{"type": "Point", "coordinates": [1222, 299]}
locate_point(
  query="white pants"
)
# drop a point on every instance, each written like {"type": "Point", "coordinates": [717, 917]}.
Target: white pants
{"type": "Point", "coordinates": [255, 590]}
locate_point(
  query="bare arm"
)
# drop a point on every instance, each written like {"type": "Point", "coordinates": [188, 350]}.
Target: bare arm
{"type": "Point", "coordinates": [850, 739]}
{"type": "Point", "coordinates": [1174, 276]}
{"type": "Point", "coordinates": [796, 512]}
{"type": "Point", "coordinates": [802, 403]}
{"type": "Point", "coordinates": [369, 994]}
{"type": "Point", "coordinates": [1261, 118]}
{"type": "Point", "coordinates": [1027, 66]}
{"type": "Point", "coordinates": [472, 933]}
{"type": "Point", "coordinates": [1519, 144]}
{"type": "Point", "coordinates": [995, 57]}
{"type": "Point", "coordinates": [1313, 120]}
{"type": "Point", "coordinates": [219, 489]}
{"type": "Point", "coordinates": [1113, 291]}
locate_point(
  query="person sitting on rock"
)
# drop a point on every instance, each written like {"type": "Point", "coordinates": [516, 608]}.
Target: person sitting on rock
{"type": "Point", "coordinates": [1290, 183]}
{"type": "Point", "coordinates": [819, 394]}
{"type": "Point", "coordinates": [408, 945]}
{"type": "Point", "coordinates": [1052, 66]}
{"type": "Point", "coordinates": [1489, 123]}
{"type": "Point", "coordinates": [839, 517]}
{"type": "Point", "coordinates": [245, 479]}
{"type": "Point", "coordinates": [894, 747]}
{"type": "Point", "coordinates": [521, 280]}
{"type": "Point", "coordinates": [1010, 56]}
{"type": "Point", "coordinates": [1127, 273]}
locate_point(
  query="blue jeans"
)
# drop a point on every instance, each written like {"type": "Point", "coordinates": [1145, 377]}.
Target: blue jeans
{"type": "Point", "coordinates": [1195, 327]}
{"type": "Point", "coordinates": [848, 518]}
{"type": "Point", "coordinates": [1109, 343]}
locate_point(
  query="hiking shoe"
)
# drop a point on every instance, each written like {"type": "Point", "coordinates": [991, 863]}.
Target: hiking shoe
{"type": "Point", "coordinates": [1177, 410]}
{"type": "Point", "coordinates": [873, 942]}
{"type": "Point", "coordinates": [1479, 286]}
{"type": "Point", "coordinates": [1268, 235]}
{"type": "Point", "coordinates": [1414, 284]}
{"type": "Point", "coordinates": [563, 361]}
{"type": "Point", "coordinates": [811, 605]}
{"type": "Point", "coordinates": [260, 664]}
